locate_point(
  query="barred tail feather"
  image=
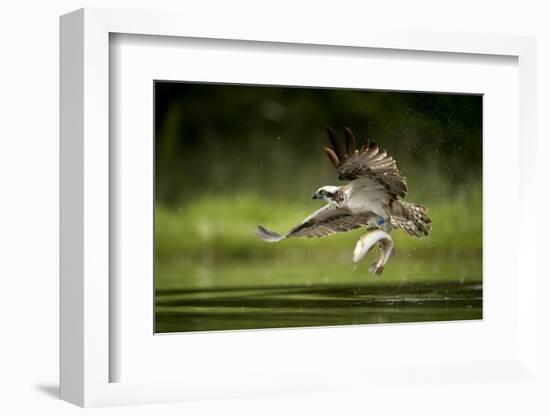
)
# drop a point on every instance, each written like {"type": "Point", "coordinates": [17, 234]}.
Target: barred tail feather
{"type": "Point", "coordinates": [411, 218]}
{"type": "Point", "coordinates": [267, 235]}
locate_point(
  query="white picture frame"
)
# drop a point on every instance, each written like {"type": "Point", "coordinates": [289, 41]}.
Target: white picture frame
{"type": "Point", "coordinates": [86, 356]}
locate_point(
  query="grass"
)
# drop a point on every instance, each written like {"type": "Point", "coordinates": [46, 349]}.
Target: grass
{"type": "Point", "coordinates": [210, 242]}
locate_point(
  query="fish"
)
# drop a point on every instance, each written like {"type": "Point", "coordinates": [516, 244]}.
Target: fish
{"type": "Point", "coordinates": [367, 241]}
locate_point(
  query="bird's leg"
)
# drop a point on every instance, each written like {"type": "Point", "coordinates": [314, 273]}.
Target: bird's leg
{"type": "Point", "coordinates": [378, 222]}
{"type": "Point", "coordinates": [367, 241]}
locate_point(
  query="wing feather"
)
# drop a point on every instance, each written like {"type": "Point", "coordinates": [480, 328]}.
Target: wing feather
{"type": "Point", "coordinates": [351, 143]}
{"type": "Point", "coordinates": [332, 157]}
{"type": "Point", "coordinates": [325, 221]}
{"type": "Point", "coordinates": [335, 142]}
{"type": "Point", "coordinates": [367, 162]}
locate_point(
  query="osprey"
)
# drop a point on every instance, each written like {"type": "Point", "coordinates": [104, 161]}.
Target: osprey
{"type": "Point", "coordinates": [373, 198]}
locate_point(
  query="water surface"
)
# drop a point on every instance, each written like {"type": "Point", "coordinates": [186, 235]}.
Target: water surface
{"type": "Point", "coordinates": [181, 310]}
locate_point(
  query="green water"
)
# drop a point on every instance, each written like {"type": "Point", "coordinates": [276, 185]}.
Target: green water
{"type": "Point", "coordinates": [309, 306]}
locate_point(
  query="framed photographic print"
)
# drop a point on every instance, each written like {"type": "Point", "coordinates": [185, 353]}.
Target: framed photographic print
{"type": "Point", "coordinates": [272, 212]}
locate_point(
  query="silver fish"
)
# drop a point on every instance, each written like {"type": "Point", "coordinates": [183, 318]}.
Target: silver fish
{"type": "Point", "coordinates": [367, 241]}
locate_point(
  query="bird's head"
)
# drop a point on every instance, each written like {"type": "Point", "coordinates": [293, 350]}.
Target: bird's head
{"type": "Point", "coordinates": [328, 193]}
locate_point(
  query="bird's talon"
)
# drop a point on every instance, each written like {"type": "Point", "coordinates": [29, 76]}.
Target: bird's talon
{"type": "Point", "coordinates": [376, 269]}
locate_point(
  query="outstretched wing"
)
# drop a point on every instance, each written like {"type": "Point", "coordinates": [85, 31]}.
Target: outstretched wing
{"type": "Point", "coordinates": [366, 162]}
{"type": "Point", "coordinates": [325, 221]}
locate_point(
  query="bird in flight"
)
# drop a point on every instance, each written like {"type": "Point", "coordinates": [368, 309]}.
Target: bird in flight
{"type": "Point", "coordinates": [372, 198]}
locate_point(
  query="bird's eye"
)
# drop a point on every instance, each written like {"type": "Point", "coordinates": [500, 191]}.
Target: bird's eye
{"type": "Point", "coordinates": [322, 192]}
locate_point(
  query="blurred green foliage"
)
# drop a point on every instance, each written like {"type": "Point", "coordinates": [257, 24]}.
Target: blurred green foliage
{"type": "Point", "coordinates": [211, 243]}
{"type": "Point", "coordinates": [230, 157]}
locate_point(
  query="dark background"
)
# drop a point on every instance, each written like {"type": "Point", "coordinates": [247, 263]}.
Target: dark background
{"type": "Point", "coordinates": [234, 137]}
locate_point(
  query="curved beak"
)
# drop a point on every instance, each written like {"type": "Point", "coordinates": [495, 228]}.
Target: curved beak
{"type": "Point", "coordinates": [315, 196]}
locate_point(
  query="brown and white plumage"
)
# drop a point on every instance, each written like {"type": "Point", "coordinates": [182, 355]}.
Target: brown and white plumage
{"type": "Point", "coordinates": [366, 162]}
{"type": "Point", "coordinates": [325, 221]}
{"type": "Point", "coordinates": [373, 197]}
{"type": "Point", "coordinates": [373, 175]}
